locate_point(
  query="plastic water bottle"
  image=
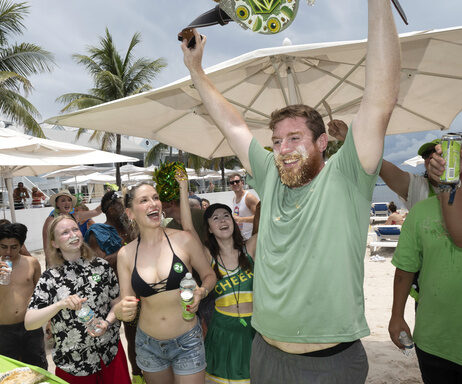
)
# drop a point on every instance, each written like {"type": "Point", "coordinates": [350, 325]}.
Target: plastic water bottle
{"type": "Point", "coordinates": [89, 319]}
{"type": "Point", "coordinates": [408, 343]}
{"type": "Point", "coordinates": [6, 272]}
{"type": "Point", "coordinates": [187, 287]}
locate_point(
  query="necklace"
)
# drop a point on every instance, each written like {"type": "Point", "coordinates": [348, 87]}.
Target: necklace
{"type": "Point", "coordinates": [241, 320]}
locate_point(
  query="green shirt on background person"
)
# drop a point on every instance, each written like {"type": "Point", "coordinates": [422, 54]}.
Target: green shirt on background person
{"type": "Point", "coordinates": [425, 246]}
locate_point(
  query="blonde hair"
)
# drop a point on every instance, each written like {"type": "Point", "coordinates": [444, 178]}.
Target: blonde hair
{"type": "Point", "coordinates": [56, 256]}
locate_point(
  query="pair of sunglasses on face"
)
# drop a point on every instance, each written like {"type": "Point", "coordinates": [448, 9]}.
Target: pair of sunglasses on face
{"type": "Point", "coordinates": [234, 182]}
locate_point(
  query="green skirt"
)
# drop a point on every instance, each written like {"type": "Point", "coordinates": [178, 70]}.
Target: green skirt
{"type": "Point", "coordinates": [228, 345]}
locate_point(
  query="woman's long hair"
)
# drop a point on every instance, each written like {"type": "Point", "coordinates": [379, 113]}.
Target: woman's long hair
{"type": "Point", "coordinates": [214, 249]}
{"type": "Point", "coordinates": [56, 256]}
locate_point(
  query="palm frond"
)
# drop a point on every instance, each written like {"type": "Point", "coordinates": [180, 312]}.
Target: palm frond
{"type": "Point", "coordinates": [154, 152]}
{"type": "Point", "coordinates": [19, 109]}
{"type": "Point", "coordinates": [14, 81]}
{"type": "Point", "coordinates": [25, 59]}
{"type": "Point", "coordinates": [11, 17]}
{"type": "Point", "coordinates": [77, 101]}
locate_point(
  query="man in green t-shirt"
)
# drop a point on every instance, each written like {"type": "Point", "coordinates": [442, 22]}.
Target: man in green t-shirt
{"type": "Point", "coordinates": [309, 271]}
{"type": "Point", "coordinates": [431, 242]}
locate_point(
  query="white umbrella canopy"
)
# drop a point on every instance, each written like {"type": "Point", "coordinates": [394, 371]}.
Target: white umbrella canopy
{"type": "Point", "coordinates": [77, 170]}
{"type": "Point", "coordinates": [414, 161]}
{"type": "Point", "coordinates": [327, 76]}
{"type": "Point", "coordinates": [93, 178]}
{"type": "Point", "coordinates": [24, 155]}
{"type": "Point", "coordinates": [129, 169]}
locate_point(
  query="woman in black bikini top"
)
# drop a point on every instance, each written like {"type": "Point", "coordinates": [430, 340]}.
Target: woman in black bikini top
{"type": "Point", "coordinates": [152, 267]}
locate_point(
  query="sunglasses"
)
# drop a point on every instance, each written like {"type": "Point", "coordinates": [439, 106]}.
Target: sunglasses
{"type": "Point", "coordinates": [234, 182]}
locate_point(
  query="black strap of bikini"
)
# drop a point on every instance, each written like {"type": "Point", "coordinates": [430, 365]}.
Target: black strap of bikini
{"type": "Point", "coordinates": [169, 242]}
{"type": "Point", "coordinates": [137, 246]}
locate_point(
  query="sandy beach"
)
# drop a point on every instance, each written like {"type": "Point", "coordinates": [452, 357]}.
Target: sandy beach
{"type": "Point", "coordinates": [387, 365]}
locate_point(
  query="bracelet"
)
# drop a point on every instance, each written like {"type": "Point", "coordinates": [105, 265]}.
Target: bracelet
{"type": "Point", "coordinates": [451, 188]}
{"type": "Point", "coordinates": [442, 188]}
{"type": "Point", "coordinates": [206, 292]}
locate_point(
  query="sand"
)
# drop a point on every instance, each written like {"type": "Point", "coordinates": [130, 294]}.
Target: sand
{"type": "Point", "coordinates": [387, 365]}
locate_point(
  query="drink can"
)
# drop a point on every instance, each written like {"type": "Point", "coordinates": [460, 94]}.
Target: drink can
{"type": "Point", "coordinates": [450, 145]}
{"type": "Point", "coordinates": [187, 298]}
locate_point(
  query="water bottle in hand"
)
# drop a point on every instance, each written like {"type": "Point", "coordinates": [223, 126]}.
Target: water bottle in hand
{"type": "Point", "coordinates": [408, 343]}
{"type": "Point", "coordinates": [5, 273]}
{"type": "Point", "coordinates": [89, 319]}
{"type": "Point", "coordinates": [187, 287]}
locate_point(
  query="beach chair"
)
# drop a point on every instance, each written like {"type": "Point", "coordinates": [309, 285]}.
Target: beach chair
{"type": "Point", "coordinates": [379, 212]}
{"type": "Point", "coordinates": [387, 236]}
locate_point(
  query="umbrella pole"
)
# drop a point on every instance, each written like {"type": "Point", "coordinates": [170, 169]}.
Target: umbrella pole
{"type": "Point", "coordinates": [3, 200]}
{"type": "Point", "coordinates": [9, 186]}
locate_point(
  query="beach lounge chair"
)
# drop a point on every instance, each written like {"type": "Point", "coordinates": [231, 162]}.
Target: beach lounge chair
{"type": "Point", "coordinates": [379, 212]}
{"type": "Point", "coordinates": [387, 236]}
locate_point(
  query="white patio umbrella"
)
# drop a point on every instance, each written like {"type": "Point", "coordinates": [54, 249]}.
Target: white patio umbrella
{"type": "Point", "coordinates": [129, 169]}
{"type": "Point", "coordinates": [93, 178]}
{"type": "Point", "coordinates": [75, 171]}
{"type": "Point", "coordinates": [414, 161]}
{"type": "Point", "coordinates": [24, 155]}
{"type": "Point", "coordinates": [327, 76]}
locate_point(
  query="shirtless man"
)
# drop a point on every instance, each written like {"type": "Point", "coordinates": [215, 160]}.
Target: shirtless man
{"type": "Point", "coordinates": [309, 271]}
{"type": "Point", "coordinates": [15, 341]}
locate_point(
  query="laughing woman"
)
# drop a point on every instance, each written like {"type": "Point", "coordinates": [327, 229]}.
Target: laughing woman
{"type": "Point", "coordinates": [229, 337]}
{"type": "Point", "coordinates": [64, 203]}
{"type": "Point", "coordinates": [78, 277]}
{"type": "Point", "coordinates": [169, 349]}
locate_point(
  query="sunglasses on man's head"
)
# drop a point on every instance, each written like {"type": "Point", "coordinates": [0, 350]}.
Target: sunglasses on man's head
{"type": "Point", "coordinates": [233, 182]}
{"type": "Point", "coordinates": [427, 154]}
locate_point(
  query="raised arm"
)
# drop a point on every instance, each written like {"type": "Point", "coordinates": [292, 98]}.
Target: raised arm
{"type": "Point", "coordinates": [226, 117]}
{"type": "Point", "coordinates": [396, 179]}
{"type": "Point", "coordinates": [185, 211]}
{"type": "Point", "coordinates": [382, 85]}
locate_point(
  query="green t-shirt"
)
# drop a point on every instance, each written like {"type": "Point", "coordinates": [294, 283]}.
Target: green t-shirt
{"type": "Point", "coordinates": [425, 246]}
{"type": "Point", "coordinates": [309, 268]}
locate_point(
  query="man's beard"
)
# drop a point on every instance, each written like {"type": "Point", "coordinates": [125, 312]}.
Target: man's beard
{"type": "Point", "coordinates": [308, 168]}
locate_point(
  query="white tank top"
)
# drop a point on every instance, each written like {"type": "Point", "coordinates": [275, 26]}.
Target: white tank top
{"type": "Point", "coordinates": [241, 209]}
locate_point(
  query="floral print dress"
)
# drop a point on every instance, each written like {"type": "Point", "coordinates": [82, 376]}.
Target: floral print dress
{"type": "Point", "coordinates": [75, 351]}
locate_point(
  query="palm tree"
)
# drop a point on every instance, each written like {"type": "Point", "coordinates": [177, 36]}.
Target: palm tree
{"type": "Point", "coordinates": [17, 62]}
{"type": "Point", "coordinates": [114, 76]}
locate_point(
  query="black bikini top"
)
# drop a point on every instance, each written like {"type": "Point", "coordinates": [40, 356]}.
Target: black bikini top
{"type": "Point", "coordinates": [177, 271]}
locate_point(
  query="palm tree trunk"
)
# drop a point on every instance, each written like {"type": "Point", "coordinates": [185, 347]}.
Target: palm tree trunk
{"type": "Point", "coordinates": [118, 145]}
{"type": "Point", "coordinates": [180, 156]}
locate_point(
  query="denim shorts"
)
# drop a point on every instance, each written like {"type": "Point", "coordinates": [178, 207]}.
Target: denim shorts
{"type": "Point", "coordinates": [185, 353]}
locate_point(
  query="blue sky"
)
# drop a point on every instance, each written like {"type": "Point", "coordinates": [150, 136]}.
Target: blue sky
{"type": "Point", "coordinates": [68, 27]}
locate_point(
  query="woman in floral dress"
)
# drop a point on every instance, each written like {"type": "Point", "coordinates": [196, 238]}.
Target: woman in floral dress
{"type": "Point", "coordinates": [78, 278]}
